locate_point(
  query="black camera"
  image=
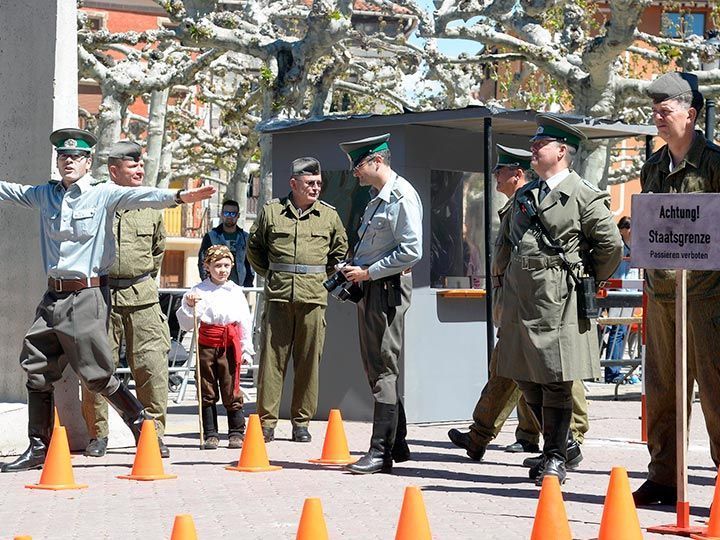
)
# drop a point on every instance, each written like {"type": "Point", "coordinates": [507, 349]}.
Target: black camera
{"type": "Point", "coordinates": [342, 289]}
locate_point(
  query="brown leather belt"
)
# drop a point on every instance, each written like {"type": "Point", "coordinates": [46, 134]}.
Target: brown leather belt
{"type": "Point", "coordinates": [60, 285]}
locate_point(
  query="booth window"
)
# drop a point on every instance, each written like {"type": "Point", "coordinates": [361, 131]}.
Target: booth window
{"type": "Point", "coordinates": [457, 229]}
{"type": "Point", "coordinates": [342, 190]}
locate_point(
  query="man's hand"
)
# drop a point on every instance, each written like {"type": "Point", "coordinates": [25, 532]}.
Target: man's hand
{"type": "Point", "coordinates": [197, 194]}
{"type": "Point", "coordinates": [192, 299]}
{"type": "Point", "coordinates": [356, 274]}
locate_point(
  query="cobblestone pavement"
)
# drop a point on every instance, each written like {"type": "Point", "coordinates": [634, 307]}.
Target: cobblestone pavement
{"type": "Point", "coordinates": [464, 499]}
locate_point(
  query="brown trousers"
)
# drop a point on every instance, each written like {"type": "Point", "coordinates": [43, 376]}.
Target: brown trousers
{"type": "Point", "coordinates": [703, 366]}
{"type": "Point", "coordinates": [217, 372]}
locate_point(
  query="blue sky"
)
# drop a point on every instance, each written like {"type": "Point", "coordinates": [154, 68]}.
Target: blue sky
{"type": "Point", "coordinates": [449, 47]}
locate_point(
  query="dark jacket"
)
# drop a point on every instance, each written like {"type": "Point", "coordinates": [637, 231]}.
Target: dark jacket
{"type": "Point", "coordinates": [245, 274]}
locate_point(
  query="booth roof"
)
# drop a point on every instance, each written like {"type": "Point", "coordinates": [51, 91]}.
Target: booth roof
{"type": "Point", "coordinates": [504, 121]}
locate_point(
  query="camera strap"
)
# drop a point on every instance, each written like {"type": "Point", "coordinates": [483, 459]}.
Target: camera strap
{"type": "Point", "coordinates": [367, 225]}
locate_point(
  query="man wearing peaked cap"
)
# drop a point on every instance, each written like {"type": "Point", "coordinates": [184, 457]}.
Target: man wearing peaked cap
{"type": "Point", "coordinates": [294, 244]}
{"type": "Point", "coordinates": [389, 245]}
{"type": "Point", "coordinates": [688, 163]}
{"type": "Point", "coordinates": [542, 283]}
{"type": "Point", "coordinates": [135, 313]}
{"type": "Point", "coordinates": [500, 395]}
{"type": "Point", "coordinates": [71, 319]}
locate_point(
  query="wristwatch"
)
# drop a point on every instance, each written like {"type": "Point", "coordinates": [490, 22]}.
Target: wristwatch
{"type": "Point", "coordinates": [178, 200]}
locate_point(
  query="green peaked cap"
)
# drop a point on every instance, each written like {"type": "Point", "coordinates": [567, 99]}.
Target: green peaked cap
{"type": "Point", "coordinates": [512, 157]}
{"type": "Point", "coordinates": [72, 140]}
{"type": "Point", "coordinates": [552, 127]}
{"type": "Point", "coordinates": [357, 150]}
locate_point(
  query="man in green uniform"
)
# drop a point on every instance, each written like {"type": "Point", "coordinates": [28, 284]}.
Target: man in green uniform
{"type": "Point", "coordinates": [135, 315]}
{"type": "Point", "coordinates": [294, 244]}
{"type": "Point", "coordinates": [500, 395]}
{"type": "Point", "coordinates": [560, 230]}
{"type": "Point", "coordinates": [688, 163]}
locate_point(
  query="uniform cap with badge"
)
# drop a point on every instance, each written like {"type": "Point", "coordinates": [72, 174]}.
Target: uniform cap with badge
{"type": "Point", "coordinates": [73, 141]}
{"type": "Point", "coordinates": [515, 158]}
{"type": "Point", "coordinates": [552, 127]}
{"type": "Point", "coordinates": [362, 148]}
{"type": "Point", "coordinates": [125, 150]}
{"type": "Point", "coordinates": [305, 166]}
{"type": "Point", "coordinates": [672, 85]}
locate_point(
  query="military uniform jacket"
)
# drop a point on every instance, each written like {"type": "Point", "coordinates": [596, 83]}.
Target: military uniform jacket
{"type": "Point", "coordinates": [281, 234]}
{"type": "Point", "coordinates": [500, 260]}
{"type": "Point", "coordinates": [541, 338]}
{"type": "Point", "coordinates": [139, 245]}
{"type": "Point", "coordinates": [699, 172]}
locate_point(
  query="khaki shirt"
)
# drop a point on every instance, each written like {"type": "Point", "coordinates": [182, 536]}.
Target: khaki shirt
{"type": "Point", "coordinates": [699, 172]}
{"type": "Point", "coordinates": [139, 243]}
{"type": "Point", "coordinates": [282, 235]}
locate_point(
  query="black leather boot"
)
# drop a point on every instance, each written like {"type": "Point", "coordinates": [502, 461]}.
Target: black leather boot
{"type": "Point", "coordinates": [40, 424]}
{"type": "Point", "coordinates": [379, 457]}
{"type": "Point", "coordinates": [574, 455]}
{"type": "Point", "coordinates": [556, 424]}
{"type": "Point", "coordinates": [211, 438]}
{"type": "Point", "coordinates": [129, 408]}
{"type": "Point", "coordinates": [400, 449]}
{"type": "Point", "coordinates": [236, 428]}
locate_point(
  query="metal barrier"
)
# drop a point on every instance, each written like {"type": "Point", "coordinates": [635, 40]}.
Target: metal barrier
{"type": "Point", "coordinates": [185, 365]}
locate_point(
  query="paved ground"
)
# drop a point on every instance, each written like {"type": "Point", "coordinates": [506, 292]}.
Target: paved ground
{"type": "Point", "coordinates": [464, 499]}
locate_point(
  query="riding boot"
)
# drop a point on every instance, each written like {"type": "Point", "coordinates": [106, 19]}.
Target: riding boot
{"type": "Point", "coordinates": [210, 427]}
{"type": "Point", "coordinates": [556, 424]}
{"type": "Point", "coordinates": [379, 457]}
{"type": "Point", "coordinates": [40, 425]}
{"type": "Point", "coordinates": [129, 408]}
{"type": "Point", "coordinates": [401, 450]}
{"type": "Point", "coordinates": [236, 422]}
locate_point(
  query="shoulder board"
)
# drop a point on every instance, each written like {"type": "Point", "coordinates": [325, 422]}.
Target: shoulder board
{"type": "Point", "coordinates": [326, 204]}
{"type": "Point", "coordinates": [398, 193]}
{"type": "Point", "coordinates": [590, 185]}
{"type": "Point", "coordinates": [95, 181]}
{"type": "Point", "coordinates": [272, 201]}
{"type": "Point", "coordinates": [712, 146]}
{"type": "Point", "coordinates": [655, 156]}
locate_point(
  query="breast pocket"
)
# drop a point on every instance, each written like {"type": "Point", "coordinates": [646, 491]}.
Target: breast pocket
{"type": "Point", "coordinates": [379, 228]}
{"type": "Point", "coordinates": [83, 222]}
{"type": "Point", "coordinates": [282, 239]}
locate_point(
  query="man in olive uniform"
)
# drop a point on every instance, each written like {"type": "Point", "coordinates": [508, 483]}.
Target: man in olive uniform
{"type": "Point", "coordinates": [545, 342]}
{"type": "Point", "coordinates": [500, 395]}
{"type": "Point", "coordinates": [294, 244]}
{"type": "Point", "coordinates": [389, 245]}
{"type": "Point", "coordinates": [78, 250]}
{"type": "Point", "coordinates": [135, 314]}
{"type": "Point", "coordinates": [688, 163]}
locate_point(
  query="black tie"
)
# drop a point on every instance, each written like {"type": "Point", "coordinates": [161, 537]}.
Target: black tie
{"type": "Point", "coordinates": [544, 190]}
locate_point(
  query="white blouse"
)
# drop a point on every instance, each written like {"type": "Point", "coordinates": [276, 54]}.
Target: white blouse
{"type": "Point", "coordinates": [219, 304]}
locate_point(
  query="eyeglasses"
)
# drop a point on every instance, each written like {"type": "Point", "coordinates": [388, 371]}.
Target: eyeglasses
{"type": "Point", "coordinates": [228, 213]}
{"type": "Point", "coordinates": [313, 183]}
{"type": "Point", "coordinates": [73, 157]}
{"type": "Point", "coordinates": [360, 165]}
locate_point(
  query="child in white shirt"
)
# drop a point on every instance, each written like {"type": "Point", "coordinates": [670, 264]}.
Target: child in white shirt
{"type": "Point", "coordinates": [225, 342]}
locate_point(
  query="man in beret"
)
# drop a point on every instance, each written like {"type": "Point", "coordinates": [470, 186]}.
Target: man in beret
{"type": "Point", "coordinates": [389, 245]}
{"type": "Point", "coordinates": [688, 163]}
{"type": "Point", "coordinates": [560, 229]}
{"type": "Point", "coordinates": [70, 324]}
{"type": "Point", "coordinates": [294, 244]}
{"type": "Point", "coordinates": [501, 395]}
{"type": "Point", "coordinates": [135, 315]}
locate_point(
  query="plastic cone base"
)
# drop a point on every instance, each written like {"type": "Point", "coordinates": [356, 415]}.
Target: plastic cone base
{"type": "Point", "coordinates": [253, 456]}
{"type": "Point", "coordinates": [148, 462]}
{"type": "Point", "coordinates": [682, 526]}
{"type": "Point", "coordinates": [335, 448]}
{"type": "Point", "coordinates": [312, 523]}
{"type": "Point", "coordinates": [712, 532]}
{"type": "Point", "coordinates": [551, 521]}
{"type": "Point", "coordinates": [57, 473]}
{"type": "Point", "coordinates": [619, 518]}
{"type": "Point", "coordinates": [413, 523]}
{"type": "Point", "coordinates": [184, 528]}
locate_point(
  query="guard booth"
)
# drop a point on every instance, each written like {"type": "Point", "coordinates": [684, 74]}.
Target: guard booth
{"type": "Point", "coordinates": [447, 156]}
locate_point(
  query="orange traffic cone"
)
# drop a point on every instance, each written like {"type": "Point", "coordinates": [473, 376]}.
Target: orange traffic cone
{"type": "Point", "coordinates": [551, 521]}
{"type": "Point", "coordinates": [413, 523]}
{"type": "Point", "coordinates": [57, 471]}
{"type": "Point", "coordinates": [56, 419]}
{"type": "Point", "coordinates": [22, 538]}
{"type": "Point", "coordinates": [253, 457]}
{"type": "Point", "coordinates": [148, 462]}
{"type": "Point", "coordinates": [183, 528]}
{"type": "Point", "coordinates": [619, 519]}
{"type": "Point", "coordinates": [713, 529]}
{"type": "Point", "coordinates": [335, 448]}
{"type": "Point", "coordinates": [312, 523]}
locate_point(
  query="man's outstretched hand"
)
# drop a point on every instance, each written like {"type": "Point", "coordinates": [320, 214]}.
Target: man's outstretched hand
{"type": "Point", "coordinates": [197, 194]}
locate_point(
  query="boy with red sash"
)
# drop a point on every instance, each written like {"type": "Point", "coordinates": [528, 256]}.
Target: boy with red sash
{"type": "Point", "coordinates": [225, 339]}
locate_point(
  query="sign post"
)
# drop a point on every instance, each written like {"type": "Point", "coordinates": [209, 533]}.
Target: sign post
{"type": "Point", "coordinates": [677, 232]}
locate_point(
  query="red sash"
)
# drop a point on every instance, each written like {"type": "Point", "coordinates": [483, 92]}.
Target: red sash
{"type": "Point", "coordinates": [226, 336]}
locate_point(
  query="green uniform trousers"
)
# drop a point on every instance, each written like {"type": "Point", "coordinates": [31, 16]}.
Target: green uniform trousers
{"type": "Point", "coordinates": [500, 396]}
{"type": "Point", "coordinates": [297, 329]}
{"type": "Point", "coordinates": [147, 342]}
{"type": "Point", "coordinates": [703, 366]}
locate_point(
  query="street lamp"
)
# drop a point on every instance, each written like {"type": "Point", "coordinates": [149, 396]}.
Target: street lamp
{"type": "Point", "coordinates": [712, 63]}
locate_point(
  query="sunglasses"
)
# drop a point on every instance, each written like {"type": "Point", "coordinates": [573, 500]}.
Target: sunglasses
{"type": "Point", "coordinates": [228, 213]}
{"type": "Point", "coordinates": [73, 157]}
